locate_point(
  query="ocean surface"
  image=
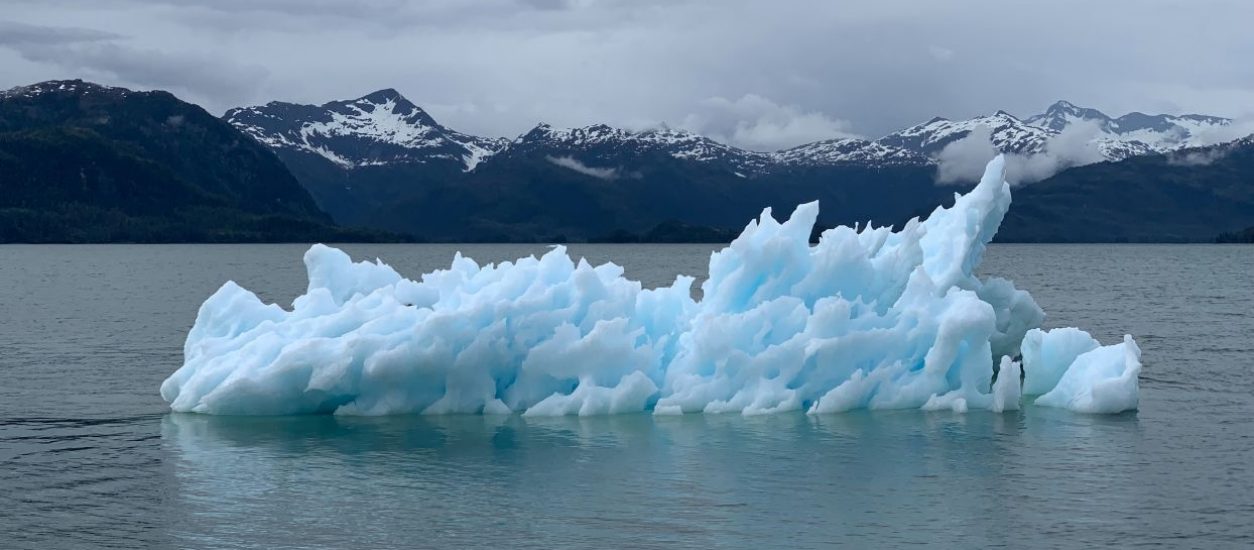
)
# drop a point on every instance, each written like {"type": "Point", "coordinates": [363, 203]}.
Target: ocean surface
{"type": "Point", "coordinates": [90, 457]}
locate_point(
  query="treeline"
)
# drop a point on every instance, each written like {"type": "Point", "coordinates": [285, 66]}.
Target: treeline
{"type": "Point", "coordinates": [83, 223]}
{"type": "Point", "coordinates": [1245, 236]}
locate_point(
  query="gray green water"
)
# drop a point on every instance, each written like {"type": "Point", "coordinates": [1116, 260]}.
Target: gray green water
{"type": "Point", "coordinates": [89, 456]}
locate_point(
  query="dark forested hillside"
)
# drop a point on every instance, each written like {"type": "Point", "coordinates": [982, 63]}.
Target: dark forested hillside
{"type": "Point", "coordinates": [86, 163]}
{"type": "Point", "coordinates": [1187, 196]}
{"type": "Point", "coordinates": [526, 197]}
{"type": "Point", "coordinates": [1245, 236]}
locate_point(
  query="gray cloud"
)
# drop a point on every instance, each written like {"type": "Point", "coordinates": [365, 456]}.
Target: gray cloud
{"type": "Point", "coordinates": [963, 160]}
{"type": "Point", "coordinates": [755, 122]}
{"type": "Point", "coordinates": [548, 4]}
{"type": "Point", "coordinates": [106, 56]}
{"type": "Point", "coordinates": [497, 67]}
{"type": "Point", "coordinates": [14, 34]}
{"type": "Point", "coordinates": [1197, 158]}
{"type": "Point", "coordinates": [1237, 129]}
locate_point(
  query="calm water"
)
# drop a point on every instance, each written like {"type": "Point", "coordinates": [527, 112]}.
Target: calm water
{"type": "Point", "coordinates": [89, 456]}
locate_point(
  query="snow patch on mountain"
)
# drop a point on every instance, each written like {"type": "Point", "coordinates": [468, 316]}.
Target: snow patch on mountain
{"type": "Point", "coordinates": [60, 86]}
{"type": "Point", "coordinates": [848, 151]}
{"type": "Point", "coordinates": [384, 122]}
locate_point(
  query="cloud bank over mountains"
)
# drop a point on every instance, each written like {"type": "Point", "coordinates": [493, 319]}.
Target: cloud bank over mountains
{"type": "Point", "coordinates": [759, 75]}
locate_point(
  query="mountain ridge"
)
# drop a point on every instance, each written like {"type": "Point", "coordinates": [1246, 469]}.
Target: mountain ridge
{"type": "Point", "coordinates": [320, 129]}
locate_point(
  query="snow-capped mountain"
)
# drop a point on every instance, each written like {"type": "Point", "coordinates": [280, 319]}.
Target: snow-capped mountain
{"type": "Point", "coordinates": [1062, 114]}
{"type": "Point", "coordinates": [375, 129]}
{"type": "Point", "coordinates": [607, 144]}
{"type": "Point", "coordinates": [1008, 134]}
{"type": "Point", "coordinates": [1130, 135]}
{"type": "Point", "coordinates": [1158, 132]}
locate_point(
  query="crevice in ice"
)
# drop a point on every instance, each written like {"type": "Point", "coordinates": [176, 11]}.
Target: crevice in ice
{"type": "Point", "coordinates": [866, 318]}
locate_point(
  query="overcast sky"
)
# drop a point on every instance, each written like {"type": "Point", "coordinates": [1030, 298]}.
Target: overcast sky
{"type": "Point", "coordinates": [758, 74]}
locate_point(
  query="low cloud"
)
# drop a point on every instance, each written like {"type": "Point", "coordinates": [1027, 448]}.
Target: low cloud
{"type": "Point", "coordinates": [107, 57]}
{"type": "Point", "coordinates": [757, 123]}
{"type": "Point", "coordinates": [964, 159]}
{"type": "Point", "coordinates": [1234, 130]}
{"type": "Point", "coordinates": [17, 35]}
{"type": "Point", "coordinates": [941, 54]}
{"type": "Point", "coordinates": [1198, 157]}
{"type": "Point", "coordinates": [573, 164]}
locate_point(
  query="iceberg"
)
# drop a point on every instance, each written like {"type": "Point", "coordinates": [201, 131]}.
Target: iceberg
{"type": "Point", "coordinates": [867, 318]}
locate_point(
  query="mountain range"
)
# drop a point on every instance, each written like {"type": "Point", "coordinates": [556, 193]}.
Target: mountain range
{"type": "Point", "coordinates": [384, 128]}
{"type": "Point", "coordinates": [381, 161]}
{"type": "Point", "coordinates": [381, 164]}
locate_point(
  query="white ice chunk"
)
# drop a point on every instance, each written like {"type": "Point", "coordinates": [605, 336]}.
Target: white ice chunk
{"type": "Point", "coordinates": [1103, 380]}
{"type": "Point", "coordinates": [1048, 354]}
{"type": "Point", "coordinates": [1006, 389]}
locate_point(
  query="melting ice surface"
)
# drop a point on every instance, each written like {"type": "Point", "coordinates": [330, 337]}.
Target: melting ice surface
{"type": "Point", "coordinates": [867, 318]}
